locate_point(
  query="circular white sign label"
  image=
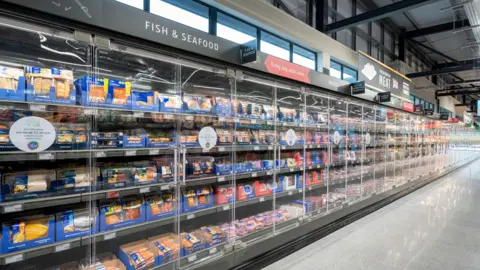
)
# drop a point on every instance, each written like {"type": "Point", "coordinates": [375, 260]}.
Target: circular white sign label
{"type": "Point", "coordinates": [32, 134]}
{"type": "Point", "coordinates": [336, 137]}
{"type": "Point", "coordinates": [207, 138]}
{"type": "Point", "coordinates": [291, 137]}
{"type": "Point", "coordinates": [368, 138]}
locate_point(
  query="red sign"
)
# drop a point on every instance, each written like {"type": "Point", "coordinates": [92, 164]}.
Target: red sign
{"type": "Point", "coordinates": [452, 120]}
{"type": "Point", "coordinates": [286, 69]}
{"type": "Point", "coordinates": [407, 106]}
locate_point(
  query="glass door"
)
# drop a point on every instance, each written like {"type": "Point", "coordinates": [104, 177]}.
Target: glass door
{"type": "Point", "coordinates": [368, 151]}
{"type": "Point", "coordinates": [337, 162]}
{"type": "Point", "coordinates": [353, 152]}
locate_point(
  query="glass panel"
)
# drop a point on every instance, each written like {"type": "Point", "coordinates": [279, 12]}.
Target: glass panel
{"type": "Point", "coordinates": [381, 145]}
{"type": "Point", "coordinates": [275, 46]}
{"type": "Point", "coordinates": [189, 13]}
{"type": "Point", "coordinates": [338, 154]}
{"type": "Point", "coordinates": [256, 180]}
{"type": "Point", "coordinates": [207, 133]}
{"type": "Point", "coordinates": [316, 156]}
{"type": "Point", "coordinates": [235, 30]}
{"type": "Point", "coordinates": [303, 57]}
{"type": "Point", "coordinates": [138, 170]}
{"type": "Point", "coordinates": [368, 151]}
{"type": "Point", "coordinates": [390, 154]}
{"type": "Point", "coordinates": [335, 70]}
{"type": "Point", "coordinates": [45, 153]}
{"type": "Point", "coordinates": [353, 152]}
{"type": "Point", "coordinates": [291, 119]}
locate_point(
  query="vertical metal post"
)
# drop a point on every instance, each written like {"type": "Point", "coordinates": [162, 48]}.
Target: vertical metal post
{"type": "Point", "coordinates": [212, 21]}
{"type": "Point", "coordinates": [321, 15]}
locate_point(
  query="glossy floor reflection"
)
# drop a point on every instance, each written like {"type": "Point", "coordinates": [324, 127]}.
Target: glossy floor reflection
{"type": "Point", "coordinates": [436, 227]}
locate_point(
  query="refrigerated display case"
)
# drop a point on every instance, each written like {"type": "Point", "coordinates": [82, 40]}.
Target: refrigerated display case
{"type": "Point", "coordinates": [144, 159]}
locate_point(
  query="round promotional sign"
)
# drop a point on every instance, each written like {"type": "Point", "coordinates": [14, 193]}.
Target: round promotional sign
{"type": "Point", "coordinates": [368, 138]}
{"type": "Point", "coordinates": [207, 138]}
{"type": "Point", "coordinates": [291, 137]}
{"type": "Point", "coordinates": [32, 134]}
{"type": "Point", "coordinates": [336, 137]}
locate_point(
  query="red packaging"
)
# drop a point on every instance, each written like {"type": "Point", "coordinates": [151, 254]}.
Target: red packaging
{"type": "Point", "coordinates": [245, 191]}
{"type": "Point", "coordinates": [262, 188]}
{"type": "Point", "coordinates": [224, 194]}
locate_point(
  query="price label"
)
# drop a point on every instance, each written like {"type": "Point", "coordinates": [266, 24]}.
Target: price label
{"type": "Point", "coordinates": [153, 152]}
{"type": "Point", "coordinates": [213, 251]}
{"type": "Point", "coordinates": [192, 258]}
{"type": "Point", "coordinates": [226, 207]}
{"type": "Point", "coordinates": [221, 119]}
{"type": "Point", "coordinates": [100, 154]}
{"type": "Point", "coordinates": [284, 123]}
{"type": "Point", "coordinates": [130, 153]}
{"type": "Point", "coordinates": [235, 119]}
{"type": "Point", "coordinates": [191, 216]}
{"type": "Point", "coordinates": [166, 187]}
{"type": "Point", "coordinates": [109, 236]}
{"type": "Point", "coordinates": [189, 117]}
{"type": "Point", "coordinates": [90, 111]}
{"type": "Point", "coordinates": [139, 114]}
{"type": "Point", "coordinates": [221, 179]}
{"type": "Point", "coordinates": [256, 148]}
{"type": "Point", "coordinates": [269, 173]}
{"type": "Point", "coordinates": [168, 116]}
{"type": "Point", "coordinates": [144, 190]}
{"type": "Point", "coordinates": [310, 146]}
{"type": "Point", "coordinates": [12, 208]}
{"type": "Point", "coordinates": [292, 169]}
{"type": "Point", "coordinates": [112, 194]}
{"type": "Point", "coordinates": [318, 145]}
{"type": "Point", "coordinates": [309, 188]}
{"type": "Point", "coordinates": [253, 121]}
{"type": "Point", "coordinates": [270, 147]}
{"type": "Point", "coordinates": [284, 147]}
{"type": "Point", "coordinates": [62, 247]}
{"type": "Point", "coordinates": [261, 199]}
{"type": "Point", "coordinates": [14, 258]}
{"type": "Point", "coordinates": [254, 174]}
{"type": "Point", "coordinates": [270, 123]}
{"type": "Point", "coordinates": [300, 190]}
{"type": "Point", "coordinates": [46, 156]}
{"type": "Point", "coordinates": [290, 192]}
{"type": "Point", "coordinates": [38, 108]}
{"type": "Point", "coordinates": [310, 167]}
{"type": "Point", "coordinates": [221, 149]}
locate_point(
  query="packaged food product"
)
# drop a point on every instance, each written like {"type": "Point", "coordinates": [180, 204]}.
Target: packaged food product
{"type": "Point", "coordinates": [105, 140]}
{"type": "Point", "coordinates": [224, 194]}
{"type": "Point", "coordinates": [144, 172]}
{"type": "Point", "coordinates": [145, 100]}
{"type": "Point", "coordinates": [5, 143]}
{"type": "Point", "coordinates": [138, 255]}
{"type": "Point", "coordinates": [242, 136]}
{"type": "Point", "coordinates": [223, 166]}
{"type": "Point", "coordinates": [225, 136]}
{"type": "Point", "coordinates": [245, 191]}
{"type": "Point", "coordinates": [197, 198]}
{"type": "Point", "coordinates": [160, 206]}
{"type": "Point", "coordinates": [50, 85]}
{"type": "Point", "coordinates": [189, 137]}
{"type": "Point", "coordinates": [27, 232]}
{"type": "Point", "coordinates": [104, 92]}
{"type": "Point", "coordinates": [75, 223]}
{"type": "Point", "coordinates": [106, 261]}
{"type": "Point", "coordinates": [202, 165]}
{"type": "Point", "coordinates": [76, 179]}
{"type": "Point", "coordinates": [116, 213]}
{"type": "Point", "coordinates": [170, 103]}
{"type": "Point", "coordinates": [159, 138]}
{"type": "Point", "coordinates": [241, 108]}
{"type": "Point", "coordinates": [12, 83]}
{"type": "Point", "coordinates": [289, 181]}
{"type": "Point", "coordinates": [197, 104]}
{"type": "Point", "coordinates": [21, 185]}
{"type": "Point", "coordinates": [169, 242]}
{"type": "Point", "coordinates": [117, 177]}
{"type": "Point", "coordinates": [164, 169]}
{"type": "Point", "coordinates": [268, 112]}
{"type": "Point", "coordinates": [223, 106]}
{"type": "Point", "coordinates": [189, 243]}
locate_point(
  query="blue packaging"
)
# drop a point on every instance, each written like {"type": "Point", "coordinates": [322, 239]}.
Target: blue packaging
{"type": "Point", "coordinates": [160, 206]}
{"type": "Point", "coordinates": [121, 213]}
{"type": "Point", "coordinates": [12, 84]}
{"type": "Point", "coordinates": [159, 139]}
{"type": "Point", "coordinates": [197, 104]}
{"type": "Point", "coordinates": [76, 180]}
{"type": "Point", "coordinates": [104, 92]}
{"type": "Point", "coordinates": [267, 164]}
{"type": "Point", "coordinates": [117, 177]}
{"type": "Point", "coordinates": [170, 103]}
{"type": "Point", "coordinates": [194, 199]}
{"type": "Point", "coordinates": [15, 186]}
{"type": "Point", "coordinates": [223, 106]}
{"type": "Point", "coordinates": [5, 142]}
{"type": "Point", "coordinates": [145, 101]}
{"type": "Point", "coordinates": [129, 252]}
{"type": "Point", "coordinates": [14, 233]}
{"type": "Point", "coordinates": [75, 223]}
{"type": "Point", "coordinates": [50, 85]}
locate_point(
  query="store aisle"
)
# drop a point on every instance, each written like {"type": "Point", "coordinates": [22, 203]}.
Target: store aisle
{"type": "Point", "coordinates": [436, 227]}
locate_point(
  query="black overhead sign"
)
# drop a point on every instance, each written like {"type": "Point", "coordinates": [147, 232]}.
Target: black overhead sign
{"type": "Point", "coordinates": [418, 108]}
{"type": "Point", "coordinates": [247, 54]}
{"type": "Point", "coordinates": [428, 111]}
{"type": "Point", "coordinates": [377, 76]}
{"type": "Point", "coordinates": [357, 88]}
{"type": "Point", "coordinates": [443, 116]}
{"type": "Point", "coordinates": [384, 97]}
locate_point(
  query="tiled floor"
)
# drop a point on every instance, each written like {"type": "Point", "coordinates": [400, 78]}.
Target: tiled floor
{"type": "Point", "coordinates": [436, 227]}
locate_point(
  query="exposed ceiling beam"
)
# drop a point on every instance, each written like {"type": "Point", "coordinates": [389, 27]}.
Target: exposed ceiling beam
{"type": "Point", "coordinates": [436, 52]}
{"type": "Point", "coordinates": [462, 104]}
{"type": "Point", "coordinates": [459, 89]}
{"type": "Point", "coordinates": [377, 14]}
{"type": "Point", "coordinates": [284, 7]}
{"type": "Point", "coordinates": [463, 62]}
{"type": "Point", "coordinates": [463, 82]}
{"type": "Point", "coordinates": [440, 71]}
{"type": "Point", "coordinates": [439, 28]}
{"type": "Point", "coordinates": [458, 93]}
